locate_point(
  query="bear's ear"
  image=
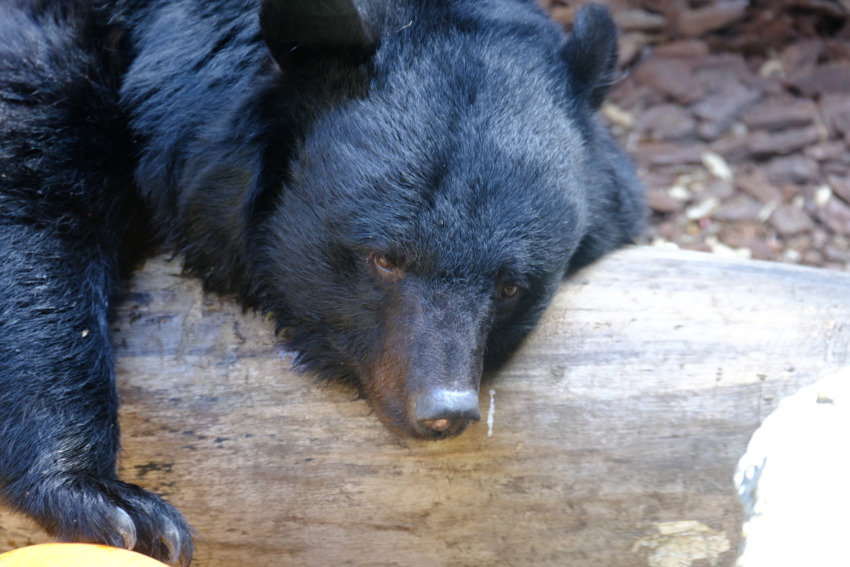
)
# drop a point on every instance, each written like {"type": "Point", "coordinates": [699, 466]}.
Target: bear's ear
{"type": "Point", "coordinates": [591, 54]}
{"type": "Point", "coordinates": [298, 31]}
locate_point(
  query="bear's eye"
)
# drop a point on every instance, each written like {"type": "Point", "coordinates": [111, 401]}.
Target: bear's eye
{"type": "Point", "coordinates": [383, 263]}
{"type": "Point", "coordinates": [508, 291]}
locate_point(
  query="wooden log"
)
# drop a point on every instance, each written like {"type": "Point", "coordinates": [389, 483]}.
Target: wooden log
{"type": "Point", "coordinates": [610, 438]}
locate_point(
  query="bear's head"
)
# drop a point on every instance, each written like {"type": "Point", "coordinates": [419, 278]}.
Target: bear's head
{"type": "Point", "coordinates": [426, 216]}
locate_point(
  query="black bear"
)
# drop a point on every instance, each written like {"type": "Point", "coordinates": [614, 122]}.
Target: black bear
{"type": "Point", "coordinates": [403, 184]}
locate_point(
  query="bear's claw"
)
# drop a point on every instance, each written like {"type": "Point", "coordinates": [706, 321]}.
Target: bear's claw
{"type": "Point", "coordinates": [112, 513]}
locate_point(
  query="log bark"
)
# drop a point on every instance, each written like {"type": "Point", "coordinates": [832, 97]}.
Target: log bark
{"type": "Point", "coordinates": [610, 438]}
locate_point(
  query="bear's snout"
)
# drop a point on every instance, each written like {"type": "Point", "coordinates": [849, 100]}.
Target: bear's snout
{"type": "Point", "coordinates": [423, 381]}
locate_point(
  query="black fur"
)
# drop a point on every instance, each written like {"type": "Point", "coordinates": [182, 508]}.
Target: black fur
{"type": "Point", "coordinates": [404, 185]}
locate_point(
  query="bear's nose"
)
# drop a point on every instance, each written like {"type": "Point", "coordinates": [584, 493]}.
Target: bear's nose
{"type": "Point", "coordinates": [446, 412]}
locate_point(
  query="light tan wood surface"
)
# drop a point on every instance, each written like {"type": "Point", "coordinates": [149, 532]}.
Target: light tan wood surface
{"type": "Point", "coordinates": [613, 436]}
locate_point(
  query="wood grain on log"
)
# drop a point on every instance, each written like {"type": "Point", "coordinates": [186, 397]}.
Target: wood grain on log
{"type": "Point", "coordinates": [613, 433]}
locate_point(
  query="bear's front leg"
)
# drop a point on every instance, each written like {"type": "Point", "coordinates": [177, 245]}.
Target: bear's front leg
{"type": "Point", "coordinates": [58, 402]}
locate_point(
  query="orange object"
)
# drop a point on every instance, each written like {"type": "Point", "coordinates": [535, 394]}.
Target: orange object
{"type": "Point", "coordinates": [75, 555]}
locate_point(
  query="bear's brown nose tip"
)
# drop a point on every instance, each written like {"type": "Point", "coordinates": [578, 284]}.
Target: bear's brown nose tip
{"type": "Point", "coordinates": [438, 425]}
{"type": "Point", "coordinates": [446, 412]}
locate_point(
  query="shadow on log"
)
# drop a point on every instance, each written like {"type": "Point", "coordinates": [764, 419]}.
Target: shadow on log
{"type": "Point", "coordinates": [610, 438]}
